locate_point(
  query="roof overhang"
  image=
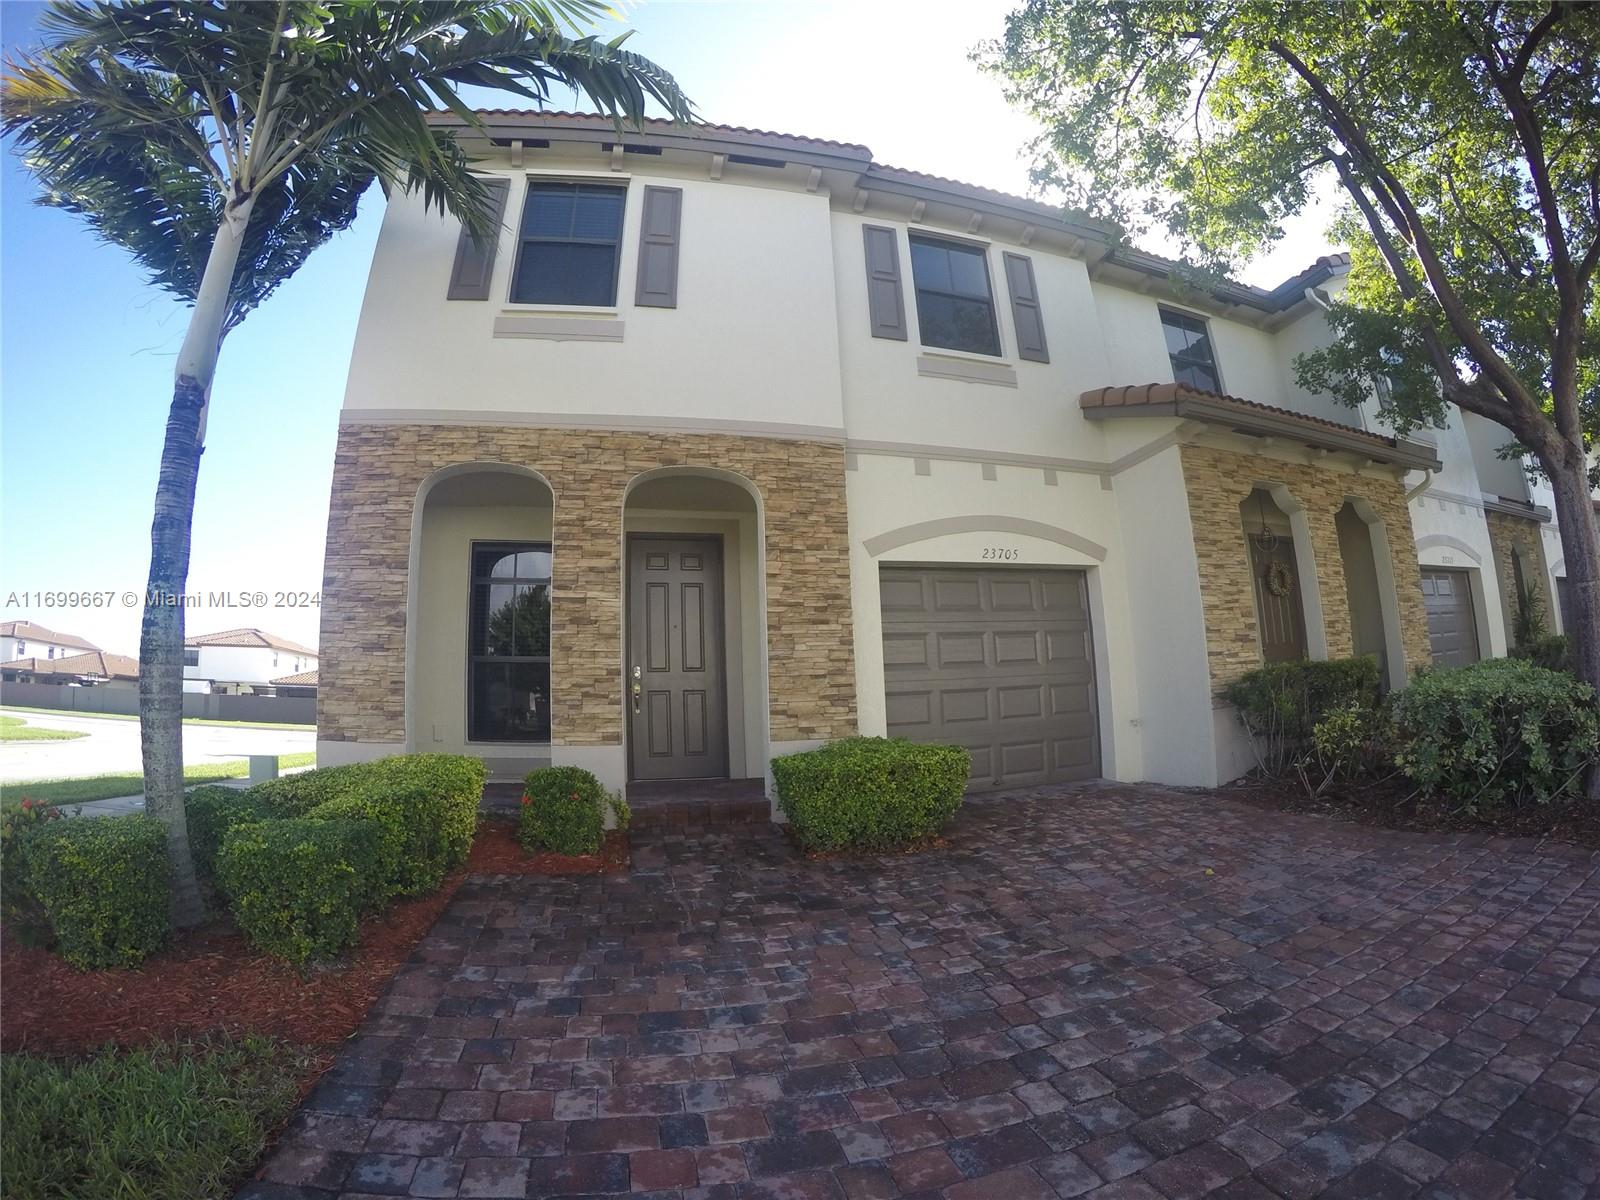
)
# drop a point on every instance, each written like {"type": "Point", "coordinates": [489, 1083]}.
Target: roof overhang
{"type": "Point", "coordinates": [1516, 508]}
{"type": "Point", "coordinates": [1255, 420]}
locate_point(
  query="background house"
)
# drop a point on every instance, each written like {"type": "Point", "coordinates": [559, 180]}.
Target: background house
{"type": "Point", "coordinates": [241, 661]}
{"type": "Point", "coordinates": [24, 639]}
{"type": "Point", "coordinates": [94, 668]}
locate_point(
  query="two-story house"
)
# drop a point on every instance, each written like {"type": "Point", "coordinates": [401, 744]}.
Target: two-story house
{"type": "Point", "coordinates": [242, 662]}
{"type": "Point", "coordinates": [24, 639]}
{"type": "Point", "coordinates": [732, 442]}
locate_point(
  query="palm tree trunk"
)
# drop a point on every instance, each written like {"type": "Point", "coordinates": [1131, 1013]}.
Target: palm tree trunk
{"type": "Point", "coordinates": [161, 634]}
{"type": "Point", "coordinates": [1580, 546]}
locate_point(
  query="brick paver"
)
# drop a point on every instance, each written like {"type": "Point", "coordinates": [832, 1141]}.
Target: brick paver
{"type": "Point", "coordinates": [1061, 1003]}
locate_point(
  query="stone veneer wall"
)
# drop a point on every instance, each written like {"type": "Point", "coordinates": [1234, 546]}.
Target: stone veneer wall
{"type": "Point", "coordinates": [1506, 532]}
{"type": "Point", "coordinates": [379, 468]}
{"type": "Point", "coordinates": [1217, 480]}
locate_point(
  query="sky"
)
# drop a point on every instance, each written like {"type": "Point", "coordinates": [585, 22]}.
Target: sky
{"type": "Point", "coordinates": [87, 346]}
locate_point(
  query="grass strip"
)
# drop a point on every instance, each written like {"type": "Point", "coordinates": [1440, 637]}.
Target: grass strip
{"type": "Point", "coordinates": [183, 1120]}
{"type": "Point", "coordinates": [131, 783]}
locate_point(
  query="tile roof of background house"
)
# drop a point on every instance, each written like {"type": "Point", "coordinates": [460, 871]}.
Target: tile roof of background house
{"type": "Point", "coordinates": [303, 679]}
{"type": "Point", "coordinates": [247, 637]}
{"type": "Point", "coordinates": [96, 662]}
{"type": "Point", "coordinates": [28, 631]}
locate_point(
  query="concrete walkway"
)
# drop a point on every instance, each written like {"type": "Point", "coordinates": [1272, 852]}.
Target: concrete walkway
{"type": "Point", "coordinates": [1061, 1003]}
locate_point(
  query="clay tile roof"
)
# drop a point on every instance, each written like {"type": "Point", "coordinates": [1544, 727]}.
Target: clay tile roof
{"type": "Point", "coordinates": [304, 679]}
{"type": "Point", "coordinates": [96, 662]}
{"type": "Point", "coordinates": [247, 637]}
{"type": "Point", "coordinates": [1159, 395]}
{"type": "Point", "coordinates": [28, 631]}
{"type": "Point", "coordinates": [538, 117]}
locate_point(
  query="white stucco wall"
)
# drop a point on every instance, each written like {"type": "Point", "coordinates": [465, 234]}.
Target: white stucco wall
{"type": "Point", "coordinates": [248, 664]}
{"type": "Point", "coordinates": [12, 648]}
{"type": "Point", "coordinates": [733, 349]}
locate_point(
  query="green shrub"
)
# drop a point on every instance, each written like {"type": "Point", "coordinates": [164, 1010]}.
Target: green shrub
{"type": "Point", "coordinates": [428, 804]}
{"type": "Point", "coordinates": [169, 1121]}
{"type": "Point", "coordinates": [564, 811]}
{"type": "Point", "coordinates": [1282, 703]}
{"type": "Point", "coordinates": [298, 886]}
{"type": "Point", "coordinates": [104, 883]}
{"type": "Point", "coordinates": [210, 812]}
{"type": "Point", "coordinates": [1552, 651]}
{"type": "Point", "coordinates": [22, 913]}
{"type": "Point", "coordinates": [870, 793]}
{"type": "Point", "coordinates": [1500, 732]}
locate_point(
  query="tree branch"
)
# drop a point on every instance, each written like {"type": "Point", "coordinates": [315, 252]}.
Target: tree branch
{"type": "Point", "coordinates": [1409, 222]}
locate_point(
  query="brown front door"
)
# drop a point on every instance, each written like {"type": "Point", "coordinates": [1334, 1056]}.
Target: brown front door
{"type": "Point", "coordinates": [675, 687]}
{"type": "Point", "coordinates": [1282, 611]}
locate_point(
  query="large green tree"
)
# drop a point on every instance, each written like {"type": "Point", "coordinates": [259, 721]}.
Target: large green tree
{"type": "Point", "coordinates": [221, 143]}
{"type": "Point", "coordinates": [1464, 140]}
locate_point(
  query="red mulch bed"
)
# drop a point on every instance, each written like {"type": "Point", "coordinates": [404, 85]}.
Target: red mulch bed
{"type": "Point", "coordinates": [209, 979]}
{"type": "Point", "coordinates": [496, 851]}
{"type": "Point", "coordinates": [1393, 804]}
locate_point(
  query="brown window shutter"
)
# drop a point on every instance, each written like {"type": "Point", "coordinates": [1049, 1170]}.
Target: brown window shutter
{"type": "Point", "coordinates": [474, 265]}
{"type": "Point", "coordinates": [658, 248]}
{"type": "Point", "coordinates": [886, 302]}
{"type": "Point", "coordinates": [1025, 314]}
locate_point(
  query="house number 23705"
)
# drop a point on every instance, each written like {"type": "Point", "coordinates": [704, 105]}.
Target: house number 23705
{"type": "Point", "coordinates": [1001, 553]}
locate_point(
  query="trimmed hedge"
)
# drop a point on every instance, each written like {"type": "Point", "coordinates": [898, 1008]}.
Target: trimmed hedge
{"type": "Point", "coordinates": [22, 913]}
{"type": "Point", "coordinates": [870, 793]}
{"type": "Point", "coordinates": [1552, 651]}
{"type": "Point", "coordinates": [564, 811]}
{"type": "Point", "coordinates": [210, 812]}
{"type": "Point", "coordinates": [105, 884]}
{"type": "Point", "coordinates": [299, 886]}
{"type": "Point", "coordinates": [311, 852]}
{"type": "Point", "coordinates": [1281, 704]}
{"type": "Point", "coordinates": [1499, 732]}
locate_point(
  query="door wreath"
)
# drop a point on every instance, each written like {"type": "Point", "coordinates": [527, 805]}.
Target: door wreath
{"type": "Point", "coordinates": [1280, 580]}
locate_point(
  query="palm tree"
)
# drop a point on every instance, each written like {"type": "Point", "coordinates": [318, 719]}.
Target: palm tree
{"type": "Point", "coordinates": [220, 143]}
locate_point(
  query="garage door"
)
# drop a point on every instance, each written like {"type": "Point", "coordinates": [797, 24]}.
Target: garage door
{"type": "Point", "coordinates": [1452, 628]}
{"type": "Point", "coordinates": [998, 661]}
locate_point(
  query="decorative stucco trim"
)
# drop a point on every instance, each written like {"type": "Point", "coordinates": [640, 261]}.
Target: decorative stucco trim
{"type": "Point", "coordinates": [1428, 541]}
{"type": "Point", "coordinates": [989, 523]}
{"type": "Point", "coordinates": [998, 458]}
{"type": "Point", "coordinates": [937, 366]}
{"type": "Point", "coordinates": [601, 422]}
{"type": "Point", "coordinates": [560, 329]}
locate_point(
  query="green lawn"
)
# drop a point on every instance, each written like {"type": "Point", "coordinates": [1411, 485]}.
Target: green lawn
{"type": "Point", "coordinates": [57, 712]}
{"type": "Point", "coordinates": [15, 729]}
{"type": "Point", "coordinates": [104, 787]}
{"type": "Point", "coordinates": [173, 1121]}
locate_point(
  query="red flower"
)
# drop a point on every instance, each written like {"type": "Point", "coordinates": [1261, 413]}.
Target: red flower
{"type": "Point", "coordinates": [574, 795]}
{"type": "Point", "coordinates": [28, 803]}
{"type": "Point", "coordinates": [526, 800]}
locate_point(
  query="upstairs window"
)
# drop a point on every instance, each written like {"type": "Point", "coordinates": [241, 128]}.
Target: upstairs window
{"type": "Point", "coordinates": [955, 306]}
{"type": "Point", "coordinates": [191, 658]}
{"type": "Point", "coordinates": [1194, 362]}
{"type": "Point", "coordinates": [569, 246]}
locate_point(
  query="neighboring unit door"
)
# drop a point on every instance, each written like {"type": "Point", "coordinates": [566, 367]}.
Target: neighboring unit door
{"type": "Point", "coordinates": [676, 694]}
{"type": "Point", "coordinates": [1282, 617]}
{"type": "Point", "coordinates": [1452, 626]}
{"type": "Point", "coordinates": [999, 661]}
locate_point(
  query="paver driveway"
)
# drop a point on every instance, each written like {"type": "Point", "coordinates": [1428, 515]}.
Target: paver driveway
{"type": "Point", "coordinates": [1062, 1003]}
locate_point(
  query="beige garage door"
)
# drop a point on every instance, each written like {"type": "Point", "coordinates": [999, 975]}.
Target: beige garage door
{"type": "Point", "coordinates": [999, 661]}
{"type": "Point", "coordinates": [1452, 628]}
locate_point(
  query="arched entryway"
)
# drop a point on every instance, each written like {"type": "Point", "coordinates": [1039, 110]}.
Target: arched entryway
{"type": "Point", "coordinates": [694, 628]}
{"type": "Point", "coordinates": [478, 627]}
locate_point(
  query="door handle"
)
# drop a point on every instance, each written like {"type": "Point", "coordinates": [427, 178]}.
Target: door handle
{"type": "Point", "coordinates": [637, 689]}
